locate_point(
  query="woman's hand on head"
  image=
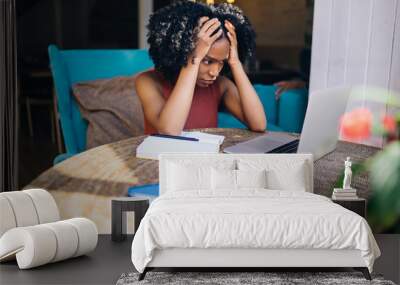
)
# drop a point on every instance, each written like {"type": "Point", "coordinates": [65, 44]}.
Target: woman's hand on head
{"type": "Point", "coordinates": [233, 52]}
{"type": "Point", "coordinates": [205, 37]}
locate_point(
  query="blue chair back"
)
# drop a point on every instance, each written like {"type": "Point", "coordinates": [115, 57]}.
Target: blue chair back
{"type": "Point", "coordinates": [286, 114]}
{"type": "Point", "coordinates": [72, 66]}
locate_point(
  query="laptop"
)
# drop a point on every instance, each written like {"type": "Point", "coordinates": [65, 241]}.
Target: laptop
{"type": "Point", "coordinates": [320, 129]}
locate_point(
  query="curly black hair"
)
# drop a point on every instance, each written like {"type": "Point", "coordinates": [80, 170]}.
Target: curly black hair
{"type": "Point", "coordinates": [172, 33]}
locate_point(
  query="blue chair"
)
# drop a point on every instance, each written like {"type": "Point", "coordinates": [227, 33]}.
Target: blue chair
{"type": "Point", "coordinates": [286, 114]}
{"type": "Point", "coordinates": [72, 66]}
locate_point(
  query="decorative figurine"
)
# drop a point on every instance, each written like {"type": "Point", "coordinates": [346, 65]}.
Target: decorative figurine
{"type": "Point", "coordinates": [347, 192]}
{"type": "Point", "coordinates": [347, 174]}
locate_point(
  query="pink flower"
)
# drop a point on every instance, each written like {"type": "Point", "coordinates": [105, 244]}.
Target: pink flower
{"type": "Point", "coordinates": [389, 123]}
{"type": "Point", "coordinates": [356, 125]}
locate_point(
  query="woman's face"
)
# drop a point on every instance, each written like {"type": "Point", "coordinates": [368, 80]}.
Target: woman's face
{"type": "Point", "coordinates": [212, 63]}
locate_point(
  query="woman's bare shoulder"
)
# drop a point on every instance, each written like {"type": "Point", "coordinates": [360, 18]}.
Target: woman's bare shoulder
{"type": "Point", "coordinates": [148, 75]}
{"type": "Point", "coordinates": [148, 79]}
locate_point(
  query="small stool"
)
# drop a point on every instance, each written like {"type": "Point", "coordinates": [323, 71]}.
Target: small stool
{"type": "Point", "coordinates": [119, 206]}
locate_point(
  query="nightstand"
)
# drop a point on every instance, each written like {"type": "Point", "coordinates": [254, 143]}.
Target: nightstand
{"type": "Point", "coordinates": [358, 206]}
{"type": "Point", "coordinates": [120, 206]}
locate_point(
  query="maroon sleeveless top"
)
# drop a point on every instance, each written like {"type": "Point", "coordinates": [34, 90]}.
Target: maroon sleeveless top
{"type": "Point", "coordinates": [203, 111]}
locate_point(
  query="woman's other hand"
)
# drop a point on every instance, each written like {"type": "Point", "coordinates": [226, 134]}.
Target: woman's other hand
{"type": "Point", "coordinates": [287, 85]}
{"type": "Point", "coordinates": [233, 52]}
{"type": "Point", "coordinates": [205, 37]}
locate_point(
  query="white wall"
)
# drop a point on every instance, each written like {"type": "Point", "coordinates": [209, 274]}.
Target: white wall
{"type": "Point", "coordinates": [357, 42]}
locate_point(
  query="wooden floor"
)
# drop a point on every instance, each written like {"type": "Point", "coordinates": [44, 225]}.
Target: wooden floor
{"type": "Point", "coordinates": [103, 266]}
{"type": "Point", "coordinates": [110, 259]}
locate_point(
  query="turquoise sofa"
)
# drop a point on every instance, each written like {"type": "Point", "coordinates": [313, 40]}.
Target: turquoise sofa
{"type": "Point", "coordinates": [286, 114]}
{"type": "Point", "coordinates": [72, 66]}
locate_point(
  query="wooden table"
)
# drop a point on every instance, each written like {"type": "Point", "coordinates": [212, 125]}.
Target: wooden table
{"type": "Point", "coordinates": [84, 184]}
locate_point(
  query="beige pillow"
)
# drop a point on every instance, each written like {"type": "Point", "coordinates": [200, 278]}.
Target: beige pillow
{"type": "Point", "coordinates": [112, 109]}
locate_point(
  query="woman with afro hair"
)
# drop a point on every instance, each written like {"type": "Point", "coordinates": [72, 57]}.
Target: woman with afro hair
{"type": "Point", "coordinates": [189, 44]}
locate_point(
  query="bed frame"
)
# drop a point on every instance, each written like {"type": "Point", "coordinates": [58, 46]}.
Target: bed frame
{"type": "Point", "coordinates": [246, 258]}
{"type": "Point", "coordinates": [242, 259]}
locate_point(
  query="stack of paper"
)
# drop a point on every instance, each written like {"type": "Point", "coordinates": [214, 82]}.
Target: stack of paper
{"type": "Point", "coordinates": [344, 194]}
{"type": "Point", "coordinates": [196, 142]}
{"type": "Point", "coordinates": [204, 137]}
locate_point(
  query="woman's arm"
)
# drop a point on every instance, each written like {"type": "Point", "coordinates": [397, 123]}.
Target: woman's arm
{"type": "Point", "coordinates": [169, 117]}
{"type": "Point", "coordinates": [247, 109]}
{"type": "Point", "coordinates": [241, 100]}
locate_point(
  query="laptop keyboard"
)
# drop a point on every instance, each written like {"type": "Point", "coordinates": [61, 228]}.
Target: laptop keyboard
{"type": "Point", "coordinates": [287, 148]}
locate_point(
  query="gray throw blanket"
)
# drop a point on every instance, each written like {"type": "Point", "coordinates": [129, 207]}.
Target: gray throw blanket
{"type": "Point", "coordinates": [112, 109]}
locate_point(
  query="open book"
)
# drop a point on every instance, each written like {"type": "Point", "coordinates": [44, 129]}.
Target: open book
{"type": "Point", "coordinates": [196, 142]}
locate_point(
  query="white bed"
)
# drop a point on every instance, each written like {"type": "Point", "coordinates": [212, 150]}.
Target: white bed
{"type": "Point", "coordinates": [203, 220]}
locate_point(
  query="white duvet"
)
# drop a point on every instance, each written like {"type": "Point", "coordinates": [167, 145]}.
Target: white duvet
{"type": "Point", "coordinates": [250, 219]}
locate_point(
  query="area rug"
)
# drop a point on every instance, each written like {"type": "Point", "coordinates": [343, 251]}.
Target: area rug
{"type": "Point", "coordinates": [243, 278]}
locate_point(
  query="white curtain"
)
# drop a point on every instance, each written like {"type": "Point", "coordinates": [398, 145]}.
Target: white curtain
{"type": "Point", "coordinates": [357, 42]}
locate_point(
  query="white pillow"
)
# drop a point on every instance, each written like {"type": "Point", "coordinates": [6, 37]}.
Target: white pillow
{"type": "Point", "coordinates": [225, 179]}
{"type": "Point", "coordinates": [293, 179]}
{"type": "Point", "coordinates": [251, 178]}
{"type": "Point", "coordinates": [281, 174]}
{"type": "Point", "coordinates": [183, 177]}
{"type": "Point", "coordinates": [193, 174]}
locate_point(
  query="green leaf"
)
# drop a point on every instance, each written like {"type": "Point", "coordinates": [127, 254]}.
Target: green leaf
{"type": "Point", "coordinates": [384, 205]}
